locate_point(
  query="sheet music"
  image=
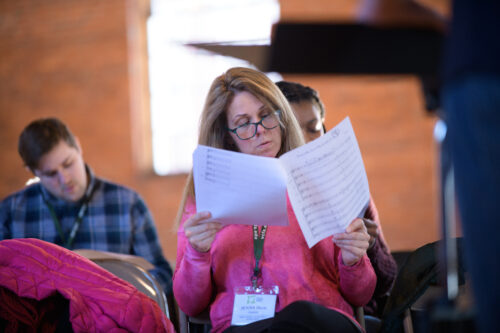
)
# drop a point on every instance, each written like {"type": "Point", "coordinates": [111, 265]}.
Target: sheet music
{"type": "Point", "coordinates": [239, 188]}
{"type": "Point", "coordinates": [327, 183]}
{"type": "Point", "coordinates": [325, 179]}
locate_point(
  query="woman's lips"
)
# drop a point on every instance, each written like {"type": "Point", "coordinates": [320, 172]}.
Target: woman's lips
{"type": "Point", "coordinates": [264, 144]}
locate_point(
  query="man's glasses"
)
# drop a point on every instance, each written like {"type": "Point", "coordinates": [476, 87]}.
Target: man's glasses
{"type": "Point", "coordinates": [247, 131]}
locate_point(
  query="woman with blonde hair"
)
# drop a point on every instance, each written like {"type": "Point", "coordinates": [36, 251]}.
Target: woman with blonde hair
{"type": "Point", "coordinates": [311, 290]}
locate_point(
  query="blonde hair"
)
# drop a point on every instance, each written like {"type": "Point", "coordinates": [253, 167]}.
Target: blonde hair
{"type": "Point", "coordinates": [213, 121]}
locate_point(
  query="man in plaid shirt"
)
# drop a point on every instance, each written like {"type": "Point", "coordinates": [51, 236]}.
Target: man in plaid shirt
{"type": "Point", "coordinates": [71, 207]}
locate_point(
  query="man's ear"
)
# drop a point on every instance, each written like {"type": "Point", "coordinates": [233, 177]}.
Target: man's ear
{"type": "Point", "coordinates": [29, 169]}
{"type": "Point", "coordinates": [78, 146]}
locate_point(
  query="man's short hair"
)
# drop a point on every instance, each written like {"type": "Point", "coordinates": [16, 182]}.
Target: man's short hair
{"type": "Point", "coordinates": [39, 137]}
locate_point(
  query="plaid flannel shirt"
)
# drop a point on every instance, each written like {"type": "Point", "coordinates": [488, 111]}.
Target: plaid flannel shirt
{"type": "Point", "coordinates": [117, 220]}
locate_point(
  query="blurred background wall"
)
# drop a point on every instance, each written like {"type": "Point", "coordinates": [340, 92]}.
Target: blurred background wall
{"type": "Point", "coordinates": [86, 63]}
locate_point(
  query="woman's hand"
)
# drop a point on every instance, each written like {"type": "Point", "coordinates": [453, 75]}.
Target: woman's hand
{"type": "Point", "coordinates": [373, 231]}
{"type": "Point", "coordinates": [201, 233]}
{"type": "Point", "coordinates": [353, 242]}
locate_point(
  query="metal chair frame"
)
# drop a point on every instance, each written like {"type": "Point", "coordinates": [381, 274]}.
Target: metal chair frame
{"type": "Point", "coordinates": [133, 269]}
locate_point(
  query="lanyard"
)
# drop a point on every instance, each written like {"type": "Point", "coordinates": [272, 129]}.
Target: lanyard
{"type": "Point", "coordinates": [258, 246]}
{"type": "Point", "coordinates": [79, 217]}
{"type": "Point", "coordinates": [76, 224]}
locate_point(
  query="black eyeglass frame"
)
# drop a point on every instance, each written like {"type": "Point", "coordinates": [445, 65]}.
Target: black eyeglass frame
{"type": "Point", "coordinates": [233, 130]}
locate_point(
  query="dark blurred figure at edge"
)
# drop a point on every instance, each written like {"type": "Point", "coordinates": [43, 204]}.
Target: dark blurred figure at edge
{"type": "Point", "coordinates": [470, 101]}
{"type": "Point", "coordinates": [471, 105]}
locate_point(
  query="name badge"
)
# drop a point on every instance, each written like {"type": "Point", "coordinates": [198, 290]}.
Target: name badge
{"type": "Point", "coordinates": [252, 305]}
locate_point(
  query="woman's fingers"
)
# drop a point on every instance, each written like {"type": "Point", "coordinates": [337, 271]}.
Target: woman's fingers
{"type": "Point", "coordinates": [201, 228]}
{"type": "Point", "coordinates": [371, 228]}
{"type": "Point", "coordinates": [361, 243]}
{"type": "Point", "coordinates": [202, 241]}
{"type": "Point", "coordinates": [196, 219]}
{"type": "Point", "coordinates": [201, 233]}
{"type": "Point", "coordinates": [355, 230]}
{"type": "Point", "coordinates": [356, 225]}
{"type": "Point", "coordinates": [352, 236]}
{"type": "Point", "coordinates": [353, 251]}
{"type": "Point", "coordinates": [354, 242]}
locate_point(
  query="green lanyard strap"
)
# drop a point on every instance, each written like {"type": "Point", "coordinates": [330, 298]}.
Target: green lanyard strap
{"type": "Point", "coordinates": [76, 224]}
{"type": "Point", "coordinates": [258, 246]}
{"type": "Point", "coordinates": [79, 217]}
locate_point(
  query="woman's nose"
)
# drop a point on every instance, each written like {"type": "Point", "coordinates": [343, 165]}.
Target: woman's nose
{"type": "Point", "coordinates": [260, 128]}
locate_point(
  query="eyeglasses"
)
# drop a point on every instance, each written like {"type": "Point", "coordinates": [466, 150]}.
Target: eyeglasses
{"type": "Point", "coordinates": [246, 131]}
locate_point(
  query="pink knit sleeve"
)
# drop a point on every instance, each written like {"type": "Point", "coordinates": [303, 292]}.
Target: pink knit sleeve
{"type": "Point", "coordinates": [192, 280]}
{"type": "Point", "coordinates": [357, 282]}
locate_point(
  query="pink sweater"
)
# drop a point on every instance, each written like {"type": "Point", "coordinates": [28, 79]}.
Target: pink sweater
{"type": "Point", "coordinates": [98, 300]}
{"type": "Point", "coordinates": [317, 274]}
